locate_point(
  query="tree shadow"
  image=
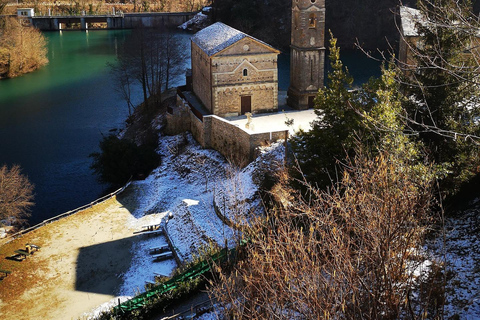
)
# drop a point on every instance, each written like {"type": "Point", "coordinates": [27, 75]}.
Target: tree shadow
{"type": "Point", "coordinates": [100, 266]}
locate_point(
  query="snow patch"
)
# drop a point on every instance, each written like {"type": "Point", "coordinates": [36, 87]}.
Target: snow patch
{"type": "Point", "coordinates": [179, 195]}
{"type": "Point", "coordinates": [462, 256]}
{"type": "Point", "coordinates": [95, 313]}
{"type": "Point", "coordinates": [199, 21]}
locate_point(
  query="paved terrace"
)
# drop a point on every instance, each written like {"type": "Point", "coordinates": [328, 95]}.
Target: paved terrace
{"type": "Point", "coordinates": [268, 122]}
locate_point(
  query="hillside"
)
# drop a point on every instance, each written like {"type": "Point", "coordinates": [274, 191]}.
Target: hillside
{"type": "Point", "coordinates": [97, 256]}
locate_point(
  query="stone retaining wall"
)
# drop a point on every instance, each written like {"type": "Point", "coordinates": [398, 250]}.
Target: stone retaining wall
{"type": "Point", "coordinates": [236, 144]}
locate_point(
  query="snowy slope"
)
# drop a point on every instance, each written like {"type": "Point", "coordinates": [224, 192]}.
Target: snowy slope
{"type": "Point", "coordinates": [462, 255]}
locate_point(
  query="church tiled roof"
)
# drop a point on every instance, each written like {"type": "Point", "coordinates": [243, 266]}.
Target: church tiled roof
{"type": "Point", "coordinates": [219, 36]}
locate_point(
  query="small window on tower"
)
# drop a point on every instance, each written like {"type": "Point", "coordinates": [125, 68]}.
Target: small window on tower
{"type": "Point", "coordinates": [245, 72]}
{"type": "Point", "coordinates": [312, 21]}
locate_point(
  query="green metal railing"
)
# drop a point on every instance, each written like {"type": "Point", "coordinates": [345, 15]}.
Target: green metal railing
{"type": "Point", "coordinates": [193, 272]}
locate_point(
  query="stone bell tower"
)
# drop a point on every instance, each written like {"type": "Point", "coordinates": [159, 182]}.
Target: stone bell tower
{"type": "Point", "coordinates": [307, 53]}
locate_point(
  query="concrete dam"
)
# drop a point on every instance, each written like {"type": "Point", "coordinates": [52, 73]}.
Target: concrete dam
{"type": "Point", "coordinates": [113, 21]}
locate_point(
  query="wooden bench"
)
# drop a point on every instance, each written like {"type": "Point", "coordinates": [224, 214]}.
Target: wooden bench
{"type": "Point", "coordinates": [6, 272]}
{"type": "Point", "coordinates": [31, 248]}
{"type": "Point", "coordinates": [158, 249]}
{"type": "Point", "coordinates": [23, 253]}
{"type": "Point", "coordinates": [19, 255]}
{"type": "Point", "coordinates": [151, 227]}
{"type": "Point", "coordinates": [154, 232]}
{"type": "Point", "coordinates": [162, 256]}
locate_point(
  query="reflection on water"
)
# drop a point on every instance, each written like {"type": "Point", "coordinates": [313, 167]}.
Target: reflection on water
{"type": "Point", "coordinates": [52, 119]}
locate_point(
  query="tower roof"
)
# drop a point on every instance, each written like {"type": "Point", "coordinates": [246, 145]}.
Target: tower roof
{"type": "Point", "coordinates": [218, 37]}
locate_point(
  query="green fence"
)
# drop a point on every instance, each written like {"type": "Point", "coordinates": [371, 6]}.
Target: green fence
{"type": "Point", "coordinates": [192, 273]}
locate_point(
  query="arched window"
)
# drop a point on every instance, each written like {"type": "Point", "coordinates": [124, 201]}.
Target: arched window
{"type": "Point", "coordinates": [245, 72]}
{"type": "Point", "coordinates": [312, 21]}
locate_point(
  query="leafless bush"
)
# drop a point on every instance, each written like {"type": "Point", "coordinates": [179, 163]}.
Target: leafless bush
{"type": "Point", "coordinates": [346, 254]}
{"type": "Point", "coordinates": [22, 48]}
{"type": "Point", "coordinates": [16, 196]}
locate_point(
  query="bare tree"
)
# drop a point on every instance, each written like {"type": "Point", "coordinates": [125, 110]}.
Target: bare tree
{"type": "Point", "coordinates": [123, 82]}
{"type": "Point", "coordinates": [348, 253]}
{"type": "Point", "coordinates": [16, 196]}
{"type": "Point", "coordinates": [190, 5]}
{"type": "Point", "coordinates": [22, 48]}
{"type": "Point", "coordinates": [151, 58]}
{"type": "Point", "coordinates": [3, 4]}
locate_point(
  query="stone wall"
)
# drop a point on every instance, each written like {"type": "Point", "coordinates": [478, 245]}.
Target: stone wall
{"type": "Point", "coordinates": [199, 128]}
{"type": "Point", "coordinates": [228, 99]}
{"type": "Point", "coordinates": [236, 144]}
{"type": "Point", "coordinates": [239, 145]}
{"type": "Point", "coordinates": [178, 118]}
{"type": "Point", "coordinates": [231, 141]}
{"type": "Point", "coordinates": [201, 76]}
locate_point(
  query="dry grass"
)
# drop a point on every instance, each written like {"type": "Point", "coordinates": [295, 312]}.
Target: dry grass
{"type": "Point", "coordinates": [342, 254]}
{"type": "Point", "coordinates": [76, 268]}
{"type": "Point", "coordinates": [96, 6]}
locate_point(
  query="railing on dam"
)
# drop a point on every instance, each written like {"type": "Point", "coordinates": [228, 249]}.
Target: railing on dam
{"type": "Point", "coordinates": [99, 15]}
{"type": "Point", "coordinates": [115, 20]}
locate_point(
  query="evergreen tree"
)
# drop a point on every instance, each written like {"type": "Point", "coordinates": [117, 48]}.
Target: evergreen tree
{"type": "Point", "coordinates": [444, 91]}
{"type": "Point", "coordinates": [334, 131]}
{"type": "Point", "coordinates": [372, 119]}
{"type": "Point", "coordinates": [121, 159]}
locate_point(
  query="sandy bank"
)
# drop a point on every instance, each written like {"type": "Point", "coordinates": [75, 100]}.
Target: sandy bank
{"type": "Point", "coordinates": [78, 267]}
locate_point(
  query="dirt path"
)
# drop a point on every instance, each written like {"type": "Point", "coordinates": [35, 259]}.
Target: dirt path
{"type": "Point", "coordinates": [78, 267]}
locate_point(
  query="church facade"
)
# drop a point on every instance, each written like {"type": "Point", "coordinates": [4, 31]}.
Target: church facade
{"type": "Point", "coordinates": [307, 52]}
{"type": "Point", "coordinates": [233, 73]}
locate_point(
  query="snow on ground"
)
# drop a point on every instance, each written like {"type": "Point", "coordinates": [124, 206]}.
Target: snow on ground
{"type": "Point", "coordinates": [95, 313]}
{"type": "Point", "coordinates": [463, 263]}
{"type": "Point", "coordinates": [239, 194]}
{"type": "Point", "coordinates": [184, 186]}
{"type": "Point", "coordinates": [179, 195]}
{"type": "Point", "coordinates": [191, 174]}
{"type": "Point", "coordinates": [277, 121]}
{"type": "Point", "coordinates": [268, 122]}
{"type": "Point", "coordinates": [199, 21]}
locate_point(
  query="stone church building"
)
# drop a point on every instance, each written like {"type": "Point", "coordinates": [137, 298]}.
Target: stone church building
{"type": "Point", "coordinates": [232, 72]}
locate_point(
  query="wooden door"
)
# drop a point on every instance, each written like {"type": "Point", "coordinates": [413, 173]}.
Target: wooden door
{"type": "Point", "coordinates": [246, 104]}
{"type": "Point", "coordinates": [311, 101]}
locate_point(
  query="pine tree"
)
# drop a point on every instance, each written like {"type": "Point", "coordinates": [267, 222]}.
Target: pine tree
{"type": "Point", "coordinates": [334, 131]}
{"type": "Point", "coordinates": [443, 90]}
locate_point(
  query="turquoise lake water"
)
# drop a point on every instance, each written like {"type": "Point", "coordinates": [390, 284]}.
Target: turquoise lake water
{"type": "Point", "coordinates": [52, 119]}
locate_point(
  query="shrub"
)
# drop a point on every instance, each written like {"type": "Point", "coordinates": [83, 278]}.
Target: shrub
{"type": "Point", "coordinates": [22, 48]}
{"type": "Point", "coordinates": [346, 253]}
{"type": "Point", "coordinates": [120, 160]}
{"type": "Point", "coordinates": [16, 196]}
